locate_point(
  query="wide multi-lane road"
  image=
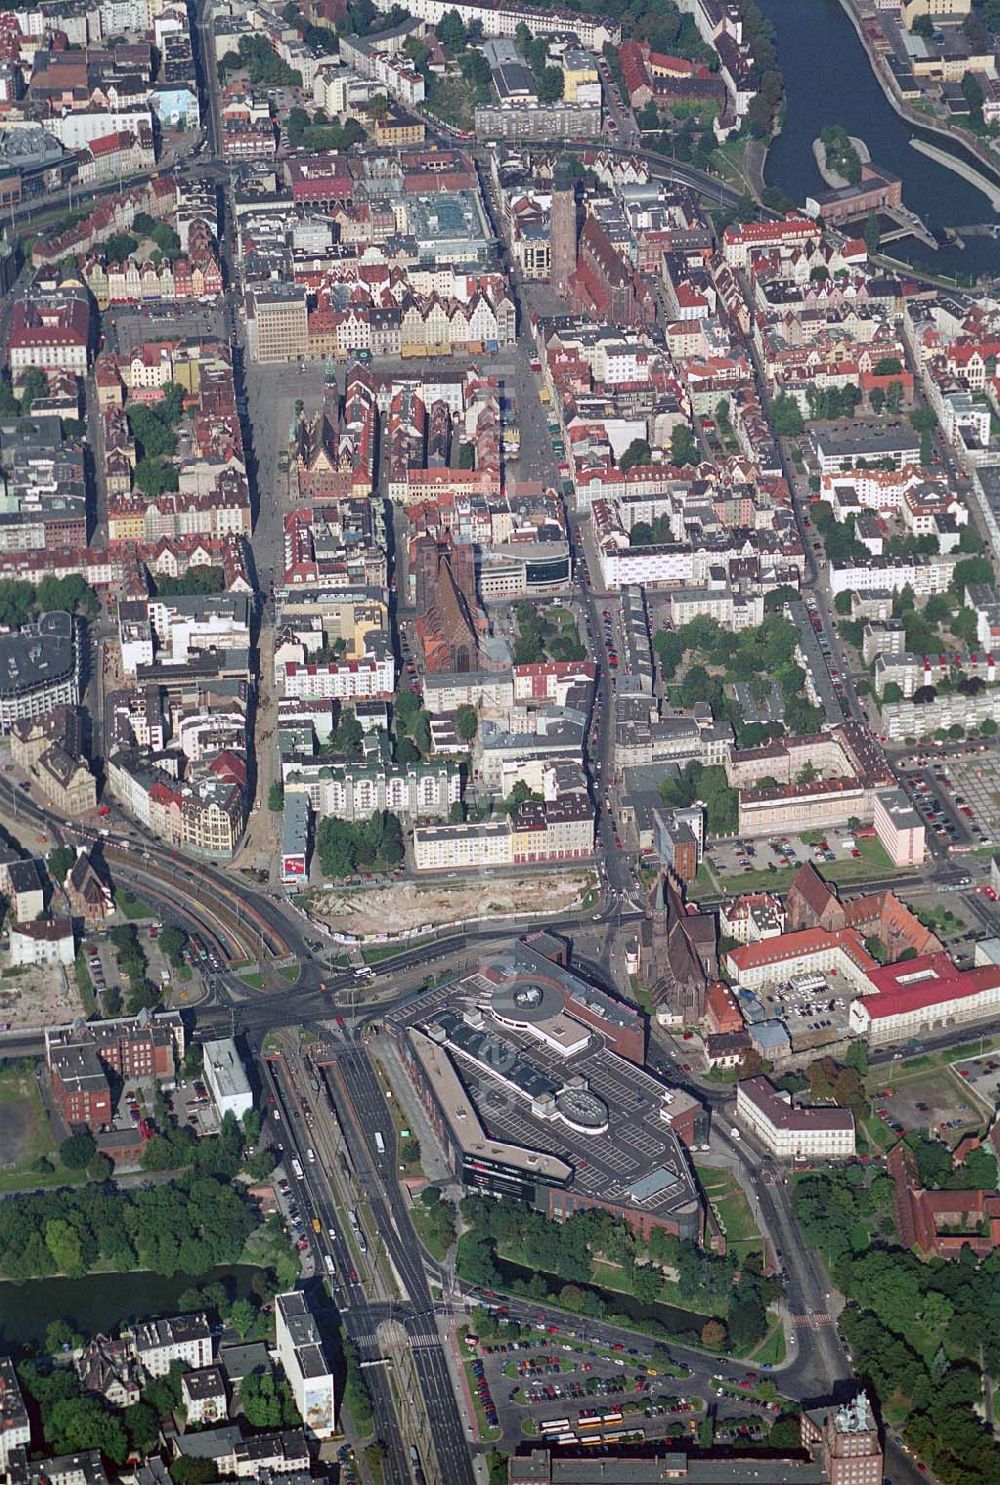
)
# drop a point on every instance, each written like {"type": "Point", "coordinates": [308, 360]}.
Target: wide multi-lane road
{"type": "Point", "coordinates": [358, 1322]}
{"type": "Point", "coordinates": [355, 1089]}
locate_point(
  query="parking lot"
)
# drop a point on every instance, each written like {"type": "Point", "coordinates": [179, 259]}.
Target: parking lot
{"type": "Point", "coordinates": [932, 1100]}
{"type": "Point", "coordinates": [812, 1012]}
{"type": "Point", "coordinates": [955, 794]}
{"type": "Point", "coordinates": [547, 1378]}
{"type": "Point", "coordinates": [126, 327]}
{"type": "Point", "coordinates": [981, 1076]}
{"type": "Point", "coordinates": [755, 858]}
{"type": "Point", "coordinates": [974, 791]}
{"type": "Point", "coordinates": [557, 1382]}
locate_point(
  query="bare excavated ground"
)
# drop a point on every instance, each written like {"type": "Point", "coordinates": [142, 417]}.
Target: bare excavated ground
{"type": "Point", "coordinates": [406, 906]}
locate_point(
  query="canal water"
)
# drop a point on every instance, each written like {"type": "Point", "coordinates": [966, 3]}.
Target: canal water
{"type": "Point", "coordinates": [101, 1302]}
{"type": "Point", "coordinates": [681, 1324]}
{"type": "Point", "coordinates": [829, 80]}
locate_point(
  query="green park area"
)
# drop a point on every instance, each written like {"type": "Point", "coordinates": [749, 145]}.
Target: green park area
{"type": "Point", "coordinates": [922, 1333]}
{"type": "Point", "coordinates": [593, 1265]}
{"type": "Point", "coordinates": [732, 1210]}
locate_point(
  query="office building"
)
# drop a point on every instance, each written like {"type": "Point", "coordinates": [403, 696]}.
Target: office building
{"type": "Point", "coordinates": [277, 324]}
{"type": "Point", "coordinates": [226, 1078]}
{"type": "Point", "coordinates": [792, 1132]}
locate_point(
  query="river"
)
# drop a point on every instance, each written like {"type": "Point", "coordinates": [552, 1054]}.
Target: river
{"type": "Point", "coordinates": [101, 1302]}
{"type": "Point", "coordinates": [829, 80]}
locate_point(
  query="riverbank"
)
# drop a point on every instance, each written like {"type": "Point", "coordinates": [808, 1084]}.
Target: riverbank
{"type": "Point", "coordinates": [913, 116]}
{"type": "Point", "coordinates": [103, 1302]}
{"type": "Point", "coordinates": [967, 172]}
{"type": "Point", "coordinates": [828, 80]}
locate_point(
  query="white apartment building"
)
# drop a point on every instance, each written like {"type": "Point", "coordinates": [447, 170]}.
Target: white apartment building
{"type": "Point", "coordinates": [592, 31]}
{"type": "Point", "coordinates": [393, 71]}
{"type": "Point", "coordinates": [648, 567]}
{"type": "Point", "coordinates": [925, 575]}
{"type": "Point", "coordinates": [159, 1343]}
{"type": "Point", "coordinates": [203, 1394]}
{"type": "Point", "coordinates": [463, 847]}
{"type": "Point", "coordinates": [791, 1132]}
{"type": "Point", "coordinates": [76, 130]}
{"type": "Point", "coordinates": [43, 943]}
{"type": "Point", "coordinates": [353, 791]}
{"type": "Point", "coordinates": [899, 828]}
{"type": "Point", "coordinates": [302, 1357]}
{"type": "Point", "coordinates": [187, 626]}
{"type": "Point", "coordinates": [340, 89]}
{"type": "Point", "coordinates": [348, 681]}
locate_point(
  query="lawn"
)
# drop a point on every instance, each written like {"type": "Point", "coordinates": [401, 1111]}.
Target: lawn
{"type": "Point", "coordinates": [879, 1136]}
{"type": "Point", "coordinates": [941, 920]}
{"type": "Point", "coordinates": [771, 1351]}
{"type": "Point", "coordinates": [384, 951]}
{"type": "Point", "coordinates": [290, 972]}
{"type": "Point", "coordinates": [731, 163]}
{"type": "Point", "coordinates": [731, 1207]}
{"type": "Point", "coordinates": [704, 884]}
{"type": "Point", "coordinates": [641, 996]}
{"type": "Point", "coordinates": [132, 907]}
{"type": "Point", "coordinates": [873, 862]}
{"type": "Point", "coordinates": [778, 880]}
{"type": "Point", "coordinates": [26, 1135]}
{"type": "Point", "coordinates": [427, 1233]}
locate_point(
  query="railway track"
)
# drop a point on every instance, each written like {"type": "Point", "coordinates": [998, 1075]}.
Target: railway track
{"type": "Point", "coordinates": [241, 932]}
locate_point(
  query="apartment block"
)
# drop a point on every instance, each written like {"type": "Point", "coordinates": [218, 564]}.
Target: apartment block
{"type": "Point", "coordinates": [187, 1338]}
{"type": "Point", "coordinates": [305, 1365]}
{"type": "Point", "coordinates": [15, 1430]}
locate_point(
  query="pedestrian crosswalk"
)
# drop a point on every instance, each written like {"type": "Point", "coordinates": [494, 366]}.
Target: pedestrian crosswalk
{"type": "Point", "coordinates": [368, 1346]}
{"type": "Point", "coordinates": [811, 1322]}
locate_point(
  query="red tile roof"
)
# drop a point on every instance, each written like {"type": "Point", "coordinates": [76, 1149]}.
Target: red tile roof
{"type": "Point", "coordinates": [913, 984]}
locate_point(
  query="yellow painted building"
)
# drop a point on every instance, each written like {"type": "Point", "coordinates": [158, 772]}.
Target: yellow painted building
{"type": "Point", "coordinates": [578, 67]}
{"type": "Point", "coordinates": [911, 9]}
{"type": "Point", "coordinates": [394, 129]}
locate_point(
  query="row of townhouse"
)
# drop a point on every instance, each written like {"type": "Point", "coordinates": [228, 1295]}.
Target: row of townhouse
{"type": "Point", "coordinates": [225, 512]}
{"type": "Point", "coordinates": [206, 813]}
{"type": "Point", "coordinates": [156, 198]}
{"type": "Point", "coordinates": [559, 830]}
{"type": "Point", "coordinates": [134, 281]}
{"type": "Point", "coordinates": [420, 325]}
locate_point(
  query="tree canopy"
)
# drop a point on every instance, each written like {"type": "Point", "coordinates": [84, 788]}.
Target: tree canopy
{"type": "Point", "coordinates": [344, 848]}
